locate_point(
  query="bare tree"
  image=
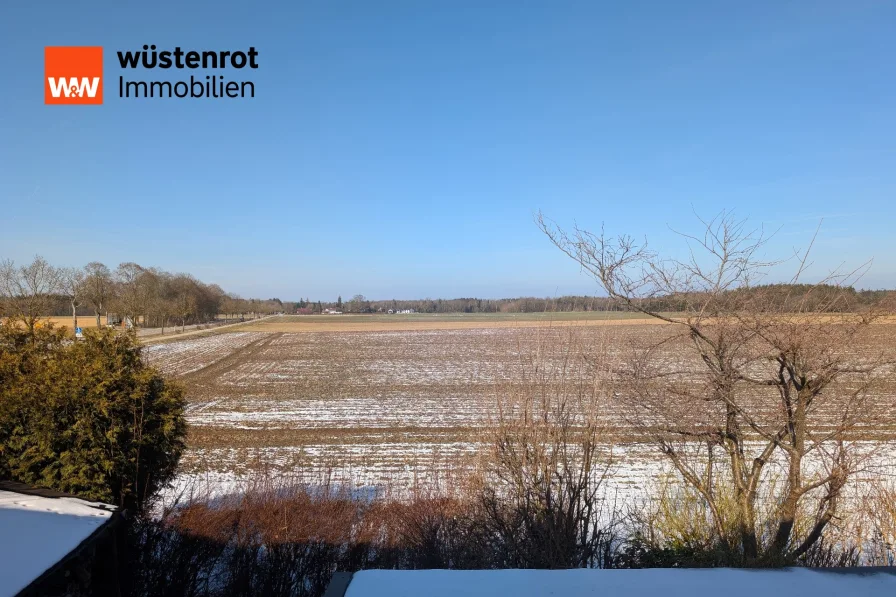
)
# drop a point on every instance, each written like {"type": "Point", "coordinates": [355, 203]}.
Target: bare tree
{"type": "Point", "coordinates": [157, 292]}
{"type": "Point", "coordinates": [161, 298]}
{"type": "Point", "coordinates": [132, 296]}
{"type": "Point", "coordinates": [185, 302]}
{"type": "Point", "coordinates": [99, 288]}
{"type": "Point", "coordinates": [72, 285]}
{"type": "Point", "coordinates": [739, 380]}
{"type": "Point", "coordinates": [28, 291]}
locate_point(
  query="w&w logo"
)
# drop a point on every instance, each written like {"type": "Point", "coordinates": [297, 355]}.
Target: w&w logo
{"type": "Point", "coordinates": [73, 87]}
{"type": "Point", "coordinates": [73, 75]}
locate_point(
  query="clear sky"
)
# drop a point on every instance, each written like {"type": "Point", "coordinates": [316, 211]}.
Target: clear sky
{"type": "Point", "coordinates": [400, 148]}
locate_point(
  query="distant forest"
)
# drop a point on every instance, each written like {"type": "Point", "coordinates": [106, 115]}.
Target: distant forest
{"type": "Point", "coordinates": [819, 299]}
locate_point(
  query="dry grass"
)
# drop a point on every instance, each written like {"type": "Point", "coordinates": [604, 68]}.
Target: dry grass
{"type": "Point", "coordinates": [84, 321]}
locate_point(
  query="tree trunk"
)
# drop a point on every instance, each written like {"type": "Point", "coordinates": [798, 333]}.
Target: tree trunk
{"type": "Point", "coordinates": [74, 318]}
{"type": "Point", "coordinates": [749, 542]}
{"type": "Point", "coordinates": [789, 507]}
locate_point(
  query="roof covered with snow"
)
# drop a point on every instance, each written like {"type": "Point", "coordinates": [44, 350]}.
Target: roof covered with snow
{"type": "Point", "coordinates": [40, 528]}
{"type": "Point", "coordinates": [725, 582]}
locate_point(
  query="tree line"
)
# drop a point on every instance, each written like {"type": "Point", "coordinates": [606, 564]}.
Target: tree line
{"type": "Point", "coordinates": [146, 296]}
{"type": "Point", "coordinates": [782, 295]}
{"type": "Point", "coordinates": [152, 297]}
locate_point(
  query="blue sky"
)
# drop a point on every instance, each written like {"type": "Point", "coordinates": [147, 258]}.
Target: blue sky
{"type": "Point", "coordinates": [400, 148]}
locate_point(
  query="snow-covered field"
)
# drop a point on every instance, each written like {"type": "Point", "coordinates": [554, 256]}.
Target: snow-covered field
{"type": "Point", "coordinates": [188, 356]}
{"type": "Point", "coordinates": [366, 410]}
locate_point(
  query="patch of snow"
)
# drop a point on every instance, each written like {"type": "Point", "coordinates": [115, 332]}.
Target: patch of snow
{"type": "Point", "coordinates": [794, 582]}
{"type": "Point", "coordinates": [37, 532]}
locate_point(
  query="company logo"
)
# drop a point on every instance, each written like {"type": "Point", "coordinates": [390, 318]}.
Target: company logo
{"type": "Point", "coordinates": [73, 75]}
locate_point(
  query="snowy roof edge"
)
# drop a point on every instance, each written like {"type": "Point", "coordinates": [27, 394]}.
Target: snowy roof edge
{"type": "Point", "coordinates": [33, 588]}
{"type": "Point", "coordinates": [25, 489]}
{"type": "Point", "coordinates": [339, 584]}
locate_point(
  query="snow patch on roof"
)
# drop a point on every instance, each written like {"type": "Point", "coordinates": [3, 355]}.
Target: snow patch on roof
{"type": "Point", "coordinates": [794, 582]}
{"type": "Point", "coordinates": [36, 532]}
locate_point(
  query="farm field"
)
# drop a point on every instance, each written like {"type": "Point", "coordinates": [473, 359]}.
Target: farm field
{"type": "Point", "coordinates": [449, 321]}
{"type": "Point", "coordinates": [84, 321]}
{"type": "Point", "coordinates": [401, 400]}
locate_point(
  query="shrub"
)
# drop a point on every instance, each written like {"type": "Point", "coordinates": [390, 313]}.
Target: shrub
{"type": "Point", "coordinates": [540, 500]}
{"type": "Point", "coordinates": [674, 528]}
{"type": "Point", "coordinates": [87, 417]}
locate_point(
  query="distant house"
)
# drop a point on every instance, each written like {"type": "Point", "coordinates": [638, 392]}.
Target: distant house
{"type": "Point", "coordinates": [331, 312]}
{"type": "Point", "coordinates": [115, 320]}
